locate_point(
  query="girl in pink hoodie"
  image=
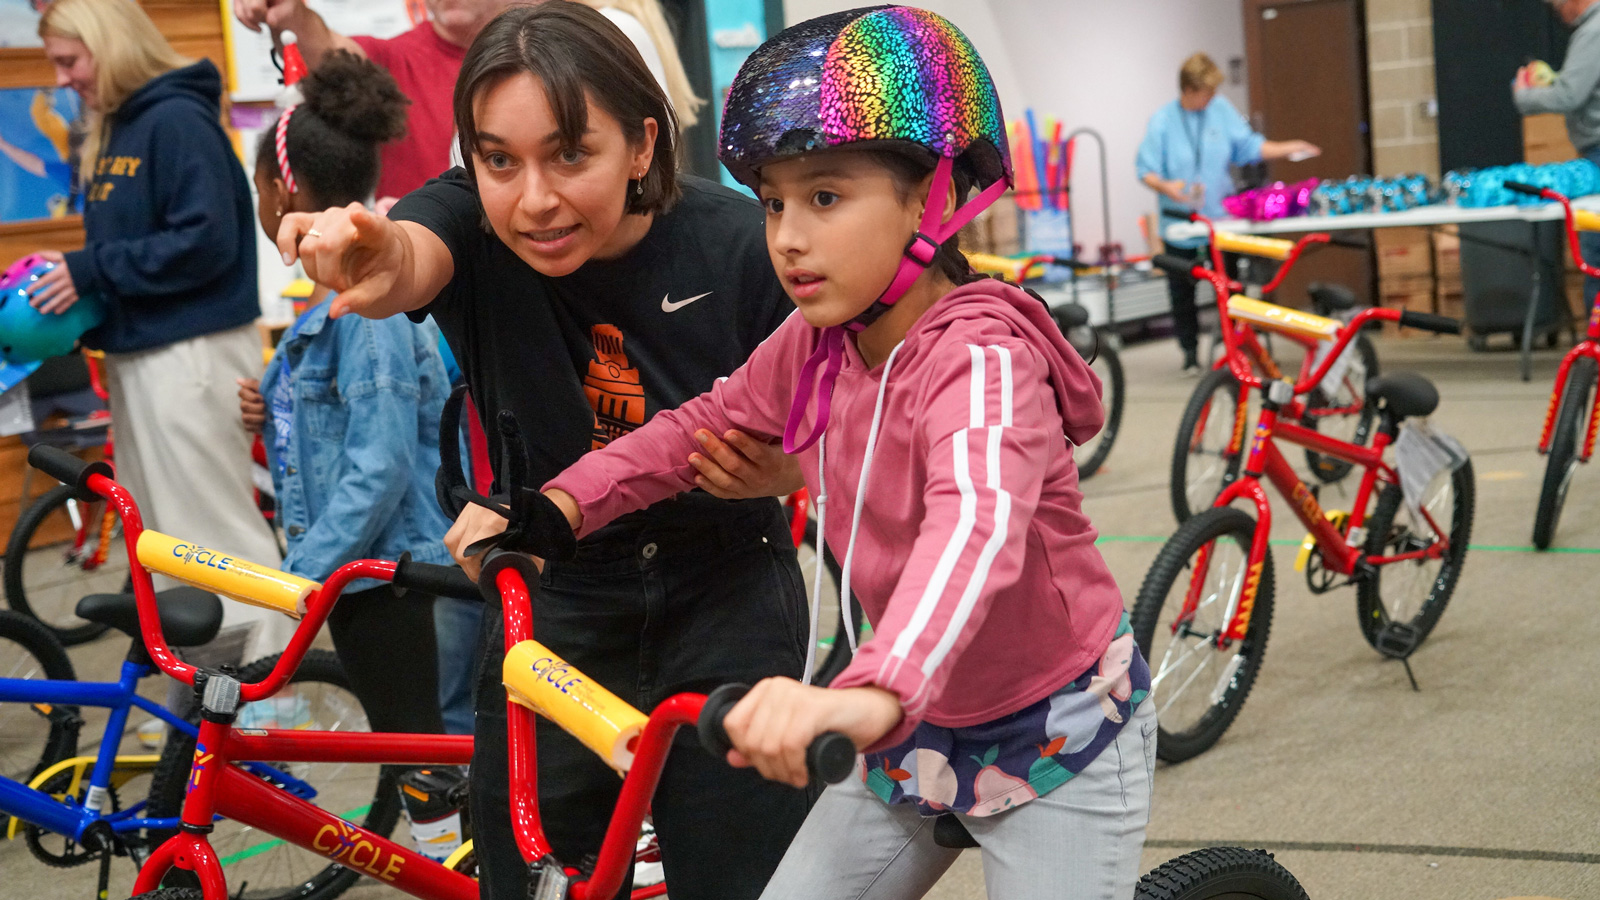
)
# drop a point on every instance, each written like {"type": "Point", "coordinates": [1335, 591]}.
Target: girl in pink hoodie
{"type": "Point", "coordinates": [934, 422]}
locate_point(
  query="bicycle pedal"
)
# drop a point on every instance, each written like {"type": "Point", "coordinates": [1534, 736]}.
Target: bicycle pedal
{"type": "Point", "coordinates": [1397, 640]}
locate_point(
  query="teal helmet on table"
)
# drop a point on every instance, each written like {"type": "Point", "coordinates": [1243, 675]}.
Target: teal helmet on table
{"type": "Point", "coordinates": [28, 335]}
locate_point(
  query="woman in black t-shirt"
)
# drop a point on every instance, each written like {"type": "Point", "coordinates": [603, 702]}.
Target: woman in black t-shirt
{"type": "Point", "coordinates": [583, 286]}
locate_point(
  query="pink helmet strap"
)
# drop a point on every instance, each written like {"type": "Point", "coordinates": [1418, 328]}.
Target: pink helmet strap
{"type": "Point", "coordinates": [281, 144]}
{"type": "Point", "coordinates": [919, 254]}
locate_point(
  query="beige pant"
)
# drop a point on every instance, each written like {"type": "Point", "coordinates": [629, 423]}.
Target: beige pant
{"type": "Point", "coordinates": [183, 453]}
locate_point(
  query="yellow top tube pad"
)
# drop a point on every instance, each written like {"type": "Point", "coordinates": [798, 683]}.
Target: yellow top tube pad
{"type": "Point", "coordinates": [1584, 220]}
{"type": "Point", "coordinates": [230, 576]}
{"type": "Point", "coordinates": [1004, 266]}
{"type": "Point", "coordinates": [1281, 318]}
{"type": "Point", "coordinates": [549, 685]}
{"type": "Point", "coordinates": [1253, 245]}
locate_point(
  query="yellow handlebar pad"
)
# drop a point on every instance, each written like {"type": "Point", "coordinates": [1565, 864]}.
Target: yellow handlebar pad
{"type": "Point", "coordinates": [1584, 220]}
{"type": "Point", "coordinates": [1004, 266]}
{"type": "Point", "coordinates": [1252, 245]}
{"type": "Point", "coordinates": [550, 686]}
{"type": "Point", "coordinates": [230, 576]}
{"type": "Point", "coordinates": [1281, 318]}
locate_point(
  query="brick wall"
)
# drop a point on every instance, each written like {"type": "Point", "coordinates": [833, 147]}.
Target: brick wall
{"type": "Point", "coordinates": [1405, 138]}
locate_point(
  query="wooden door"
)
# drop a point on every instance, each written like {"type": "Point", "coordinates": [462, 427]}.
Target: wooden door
{"type": "Point", "coordinates": [1308, 80]}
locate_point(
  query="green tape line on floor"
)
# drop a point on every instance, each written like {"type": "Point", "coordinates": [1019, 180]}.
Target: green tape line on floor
{"type": "Point", "coordinates": [275, 843]}
{"type": "Point", "coordinates": [1481, 548]}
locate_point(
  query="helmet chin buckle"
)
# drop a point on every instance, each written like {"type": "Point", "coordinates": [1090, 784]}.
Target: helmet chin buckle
{"type": "Point", "coordinates": [922, 249]}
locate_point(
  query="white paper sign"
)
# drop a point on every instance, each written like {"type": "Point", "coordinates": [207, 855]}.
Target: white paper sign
{"type": "Point", "coordinates": [1421, 453]}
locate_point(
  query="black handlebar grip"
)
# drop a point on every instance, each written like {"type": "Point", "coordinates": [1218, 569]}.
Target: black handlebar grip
{"type": "Point", "coordinates": [1522, 187]}
{"type": "Point", "coordinates": [68, 469]}
{"type": "Point", "coordinates": [830, 759]}
{"type": "Point", "coordinates": [1174, 265]}
{"type": "Point", "coordinates": [1076, 265]}
{"type": "Point", "coordinates": [440, 581]}
{"type": "Point", "coordinates": [1429, 322]}
{"type": "Point", "coordinates": [1353, 243]}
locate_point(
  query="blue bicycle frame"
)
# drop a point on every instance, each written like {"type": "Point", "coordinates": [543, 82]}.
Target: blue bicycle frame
{"type": "Point", "coordinates": [67, 817]}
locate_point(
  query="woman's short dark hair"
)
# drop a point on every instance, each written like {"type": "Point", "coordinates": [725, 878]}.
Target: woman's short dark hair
{"type": "Point", "coordinates": [575, 53]}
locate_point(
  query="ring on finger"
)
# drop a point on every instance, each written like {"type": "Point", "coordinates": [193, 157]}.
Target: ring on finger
{"type": "Point", "coordinates": [313, 233]}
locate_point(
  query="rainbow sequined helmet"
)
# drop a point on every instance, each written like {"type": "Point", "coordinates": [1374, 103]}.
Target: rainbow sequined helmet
{"type": "Point", "coordinates": [897, 77]}
{"type": "Point", "coordinates": [886, 73]}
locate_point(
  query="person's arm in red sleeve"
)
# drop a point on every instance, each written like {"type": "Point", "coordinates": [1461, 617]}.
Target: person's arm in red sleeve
{"type": "Point", "coordinates": [989, 414]}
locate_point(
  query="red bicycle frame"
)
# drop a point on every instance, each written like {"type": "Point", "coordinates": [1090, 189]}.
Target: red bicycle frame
{"type": "Point", "coordinates": [216, 786]}
{"type": "Point", "coordinates": [1339, 548]}
{"type": "Point", "coordinates": [1589, 346]}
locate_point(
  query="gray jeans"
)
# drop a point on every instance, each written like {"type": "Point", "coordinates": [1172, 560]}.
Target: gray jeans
{"type": "Point", "coordinates": [1080, 841]}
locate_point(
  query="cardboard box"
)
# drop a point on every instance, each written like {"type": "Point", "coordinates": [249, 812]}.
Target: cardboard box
{"type": "Point", "coordinates": [1403, 252]}
{"type": "Point", "coordinates": [1447, 257]}
{"type": "Point", "coordinates": [1544, 139]}
{"type": "Point", "coordinates": [1411, 292]}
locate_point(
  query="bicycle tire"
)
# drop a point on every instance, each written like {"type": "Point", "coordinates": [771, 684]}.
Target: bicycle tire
{"type": "Point", "coordinates": [1220, 873]}
{"type": "Point", "coordinates": [172, 894]}
{"type": "Point", "coordinates": [1376, 616]}
{"type": "Point", "coordinates": [1328, 469]}
{"type": "Point", "coordinates": [1561, 461]}
{"type": "Point", "coordinates": [1238, 665]}
{"type": "Point", "coordinates": [834, 655]}
{"type": "Point", "coordinates": [1111, 382]}
{"type": "Point", "coordinates": [31, 739]}
{"type": "Point", "coordinates": [67, 627]}
{"type": "Point", "coordinates": [1200, 413]}
{"type": "Point", "coordinates": [171, 776]}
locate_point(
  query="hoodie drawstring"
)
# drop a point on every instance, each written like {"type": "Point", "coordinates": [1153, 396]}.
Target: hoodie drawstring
{"type": "Point", "coordinates": [861, 497]}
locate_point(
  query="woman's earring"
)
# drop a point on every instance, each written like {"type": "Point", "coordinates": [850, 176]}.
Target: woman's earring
{"type": "Point", "coordinates": [638, 187]}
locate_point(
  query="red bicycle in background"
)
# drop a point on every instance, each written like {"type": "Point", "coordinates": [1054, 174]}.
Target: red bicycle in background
{"type": "Point", "coordinates": [1210, 443]}
{"type": "Point", "coordinates": [1573, 415]}
{"type": "Point", "coordinates": [1203, 612]}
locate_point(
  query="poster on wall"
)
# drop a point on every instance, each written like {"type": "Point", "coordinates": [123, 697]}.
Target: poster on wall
{"type": "Point", "coordinates": [35, 176]}
{"type": "Point", "coordinates": [19, 22]}
{"type": "Point", "coordinates": [253, 76]}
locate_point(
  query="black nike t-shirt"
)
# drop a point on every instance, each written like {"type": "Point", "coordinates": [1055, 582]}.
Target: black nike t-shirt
{"type": "Point", "coordinates": [586, 357]}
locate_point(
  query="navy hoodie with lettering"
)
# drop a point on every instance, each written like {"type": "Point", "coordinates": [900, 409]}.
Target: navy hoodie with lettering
{"type": "Point", "coordinates": [169, 224]}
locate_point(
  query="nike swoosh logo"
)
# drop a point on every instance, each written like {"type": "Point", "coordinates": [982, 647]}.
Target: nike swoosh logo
{"type": "Point", "coordinates": [668, 306]}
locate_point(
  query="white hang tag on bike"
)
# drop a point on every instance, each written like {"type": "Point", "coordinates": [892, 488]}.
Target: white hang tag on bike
{"type": "Point", "coordinates": [16, 411]}
{"type": "Point", "coordinates": [1421, 454]}
{"type": "Point", "coordinates": [1334, 380]}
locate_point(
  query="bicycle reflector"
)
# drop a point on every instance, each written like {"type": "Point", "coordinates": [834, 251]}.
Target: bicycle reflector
{"type": "Point", "coordinates": [28, 335]}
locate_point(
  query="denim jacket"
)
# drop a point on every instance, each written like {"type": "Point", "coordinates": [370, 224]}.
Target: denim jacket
{"type": "Point", "coordinates": [357, 480]}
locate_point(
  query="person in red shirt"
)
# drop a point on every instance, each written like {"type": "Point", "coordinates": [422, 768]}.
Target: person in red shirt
{"type": "Point", "coordinates": [423, 61]}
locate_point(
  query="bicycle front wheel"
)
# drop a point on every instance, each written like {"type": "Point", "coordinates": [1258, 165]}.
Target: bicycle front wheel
{"type": "Point", "coordinates": [51, 564]}
{"type": "Point", "coordinates": [1565, 441]}
{"type": "Point", "coordinates": [1220, 873]}
{"type": "Point", "coordinates": [1198, 680]}
{"type": "Point", "coordinates": [317, 698]}
{"type": "Point", "coordinates": [32, 735]}
{"type": "Point", "coordinates": [1202, 465]}
{"type": "Point", "coordinates": [1399, 603]}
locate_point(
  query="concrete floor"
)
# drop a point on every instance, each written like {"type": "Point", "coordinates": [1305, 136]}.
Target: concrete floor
{"type": "Point", "coordinates": [1480, 787]}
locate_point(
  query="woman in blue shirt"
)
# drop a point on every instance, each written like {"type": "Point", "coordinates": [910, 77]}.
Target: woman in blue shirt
{"type": "Point", "coordinates": [1185, 156]}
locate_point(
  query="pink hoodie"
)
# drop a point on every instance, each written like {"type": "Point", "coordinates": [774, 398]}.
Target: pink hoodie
{"type": "Point", "coordinates": [974, 561]}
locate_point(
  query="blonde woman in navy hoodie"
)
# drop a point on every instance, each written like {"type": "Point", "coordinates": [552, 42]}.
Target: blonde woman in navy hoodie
{"type": "Point", "coordinates": [170, 245]}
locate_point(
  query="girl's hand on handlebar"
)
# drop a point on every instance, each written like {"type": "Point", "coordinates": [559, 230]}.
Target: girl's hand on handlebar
{"type": "Point", "coordinates": [349, 249]}
{"type": "Point", "coordinates": [474, 524]}
{"type": "Point", "coordinates": [775, 723]}
{"type": "Point", "coordinates": [740, 467]}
